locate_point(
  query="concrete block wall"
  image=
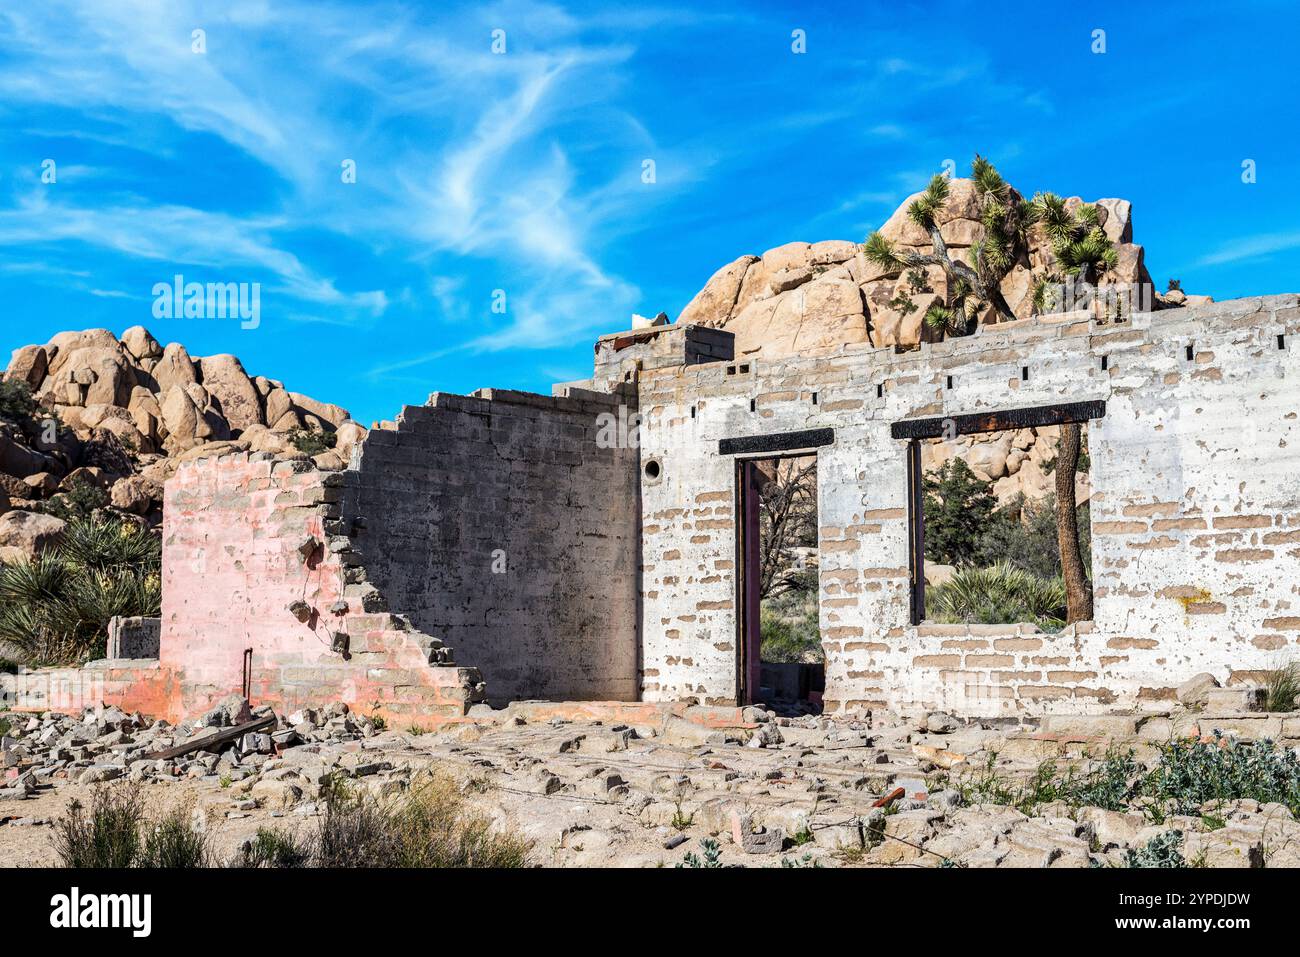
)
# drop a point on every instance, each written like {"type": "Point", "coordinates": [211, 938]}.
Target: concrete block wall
{"type": "Point", "coordinates": [499, 523]}
{"type": "Point", "coordinates": [1195, 512]}
{"type": "Point", "coordinates": [233, 531]}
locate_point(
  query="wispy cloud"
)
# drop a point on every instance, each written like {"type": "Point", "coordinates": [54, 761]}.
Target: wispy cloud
{"type": "Point", "coordinates": [1251, 247]}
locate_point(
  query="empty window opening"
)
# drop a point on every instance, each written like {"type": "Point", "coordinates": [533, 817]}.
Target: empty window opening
{"type": "Point", "coordinates": [949, 384]}
{"type": "Point", "coordinates": [692, 412]}
{"type": "Point", "coordinates": [753, 405]}
{"type": "Point", "coordinates": [653, 469]}
{"type": "Point", "coordinates": [1281, 341]}
{"type": "Point", "coordinates": [990, 538]}
{"type": "Point", "coordinates": [744, 369]}
{"type": "Point", "coordinates": [814, 398]}
{"type": "Point", "coordinates": [731, 370]}
{"type": "Point", "coordinates": [785, 662]}
{"type": "Point", "coordinates": [1191, 352]}
{"type": "Point", "coordinates": [1105, 363]}
{"type": "Point", "coordinates": [880, 390]}
{"type": "Point", "coordinates": [1024, 373]}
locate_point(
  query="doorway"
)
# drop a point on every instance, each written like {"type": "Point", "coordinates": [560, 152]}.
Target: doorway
{"type": "Point", "coordinates": [781, 664]}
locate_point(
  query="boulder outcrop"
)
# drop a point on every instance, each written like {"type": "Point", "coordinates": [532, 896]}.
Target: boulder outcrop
{"type": "Point", "coordinates": [117, 413]}
{"type": "Point", "coordinates": [803, 297]}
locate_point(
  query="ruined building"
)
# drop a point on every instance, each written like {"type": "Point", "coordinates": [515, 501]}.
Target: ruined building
{"type": "Point", "coordinates": [505, 545]}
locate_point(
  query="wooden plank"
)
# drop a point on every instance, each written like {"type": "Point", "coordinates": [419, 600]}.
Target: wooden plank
{"type": "Point", "coordinates": [213, 742]}
{"type": "Point", "coordinates": [776, 442]}
{"type": "Point", "coordinates": [950, 426]}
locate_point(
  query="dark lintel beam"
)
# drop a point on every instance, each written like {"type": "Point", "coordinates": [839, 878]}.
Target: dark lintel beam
{"type": "Point", "coordinates": [777, 442]}
{"type": "Point", "coordinates": [938, 427]}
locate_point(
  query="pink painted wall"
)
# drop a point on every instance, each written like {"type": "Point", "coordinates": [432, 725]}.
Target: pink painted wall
{"type": "Point", "coordinates": [231, 567]}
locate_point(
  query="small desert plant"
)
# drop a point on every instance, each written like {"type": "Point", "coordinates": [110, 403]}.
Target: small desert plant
{"type": "Point", "coordinates": [312, 441]}
{"type": "Point", "coordinates": [274, 848]}
{"type": "Point", "coordinates": [1174, 284]}
{"type": "Point", "coordinates": [105, 835]}
{"type": "Point", "coordinates": [172, 841]}
{"type": "Point", "coordinates": [712, 856]}
{"type": "Point", "coordinates": [1161, 851]}
{"type": "Point", "coordinates": [806, 861]}
{"type": "Point", "coordinates": [1282, 686]}
{"type": "Point", "coordinates": [430, 826]}
{"type": "Point", "coordinates": [115, 831]}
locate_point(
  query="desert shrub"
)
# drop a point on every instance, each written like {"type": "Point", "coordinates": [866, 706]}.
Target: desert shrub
{"type": "Point", "coordinates": [1161, 851]}
{"type": "Point", "coordinates": [1023, 534]}
{"type": "Point", "coordinates": [312, 441]}
{"type": "Point", "coordinates": [712, 856]}
{"type": "Point", "coordinates": [55, 609]}
{"type": "Point", "coordinates": [957, 508]}
{"type": "Point", "coordinates": [115, 831]}
{"type": "Point", "coordinates": [274, 848]}
{"type": "Point", "coordinates": [1001, 594]}
{"type": "Point", "coordinates": [173, 842]}
{"type": "Point", "coordinates": [1190, 773]}
{"type": "Point", "coordinates": [16, 402]}
{"type": "Point", "coordinates": [1282, 686]}
{"type": "Point", "coordinates": [1108, 783]}
{"type": "Point", "coordinates": [79, 502]}
{"type": "Point", "coordinates": [105, 835]}
{"type": "Point", "coordinates": [430, 826]}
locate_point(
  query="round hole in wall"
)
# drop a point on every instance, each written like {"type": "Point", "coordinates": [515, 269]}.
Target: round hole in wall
{"type": "Point", "coordinates": [653, 469]}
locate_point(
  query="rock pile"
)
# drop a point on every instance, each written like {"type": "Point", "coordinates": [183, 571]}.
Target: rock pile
{"type": "Point", "coordinates": [806, 297]}
{"type": "Point", "coordinates": [120, 414]}
{"type": "Point", "coordinates": [879, 791]}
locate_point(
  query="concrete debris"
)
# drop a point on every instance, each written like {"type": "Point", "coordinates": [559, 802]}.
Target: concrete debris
{"type": "Point", "coordinates": [591, 792]}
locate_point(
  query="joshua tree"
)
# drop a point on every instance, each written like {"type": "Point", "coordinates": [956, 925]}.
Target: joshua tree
{"type": "Point", "coordinates": [971, 285]}
{"type": "Point", "coordinates": [1082, 248]}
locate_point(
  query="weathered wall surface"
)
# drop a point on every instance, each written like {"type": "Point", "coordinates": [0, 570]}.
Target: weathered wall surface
{"type": "Point", "coordinates": [232, 532]}
{"type": "Point", "coordinates": [1195, 510]}
{"type": "Point", "coordinates": [499, 523]}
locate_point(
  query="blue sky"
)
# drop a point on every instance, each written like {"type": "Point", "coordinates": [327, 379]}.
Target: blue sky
{"type": "Point", "coordinates": [522, 171]}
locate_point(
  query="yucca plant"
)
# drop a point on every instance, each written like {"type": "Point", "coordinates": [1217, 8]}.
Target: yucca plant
{"type": "Point", "coordinates": [55, 609]}
{"type": "Point", "coordinates": [1000, 594]}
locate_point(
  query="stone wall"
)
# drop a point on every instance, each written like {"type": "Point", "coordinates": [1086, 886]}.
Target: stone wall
{"type": "Point", "coordinates": [253, 561]}
{"type": "Point", "coordinates": [500, 523]}
{"type": "Point", "coordinates": [1195, 509]}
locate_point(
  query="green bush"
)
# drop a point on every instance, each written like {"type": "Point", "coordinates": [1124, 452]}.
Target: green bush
{"type": "Point", "coordinates": [957, 507]}
{"type": "Point", "coordinates": [312, 441]}
{"type": "Point", "coordinates": [1192, 773]}
{"type": "Point", "coordinates": [81, 500]}
{"type": "Point", "coordinates": [274, 849]}
{"type": "Point", "coordinates": [1023, 534]}
{"type": "Point", "coordinates": [55, 609]}
{"type": "Point", "coordinates": [1001, 594]}
{"type": "Point", "coordinates": [1161, 851]}
{"type": "Point", "coordinates": [16, 402]}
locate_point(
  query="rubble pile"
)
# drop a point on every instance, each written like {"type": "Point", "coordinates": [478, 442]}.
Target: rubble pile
{"type": "Point", "coordinates": [877, 792]}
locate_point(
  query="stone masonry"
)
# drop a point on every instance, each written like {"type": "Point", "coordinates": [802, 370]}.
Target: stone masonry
{"type": "Point", "coordinates": [1195, 509]}
{"type": "Point", "coordinates": [562, 560]}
